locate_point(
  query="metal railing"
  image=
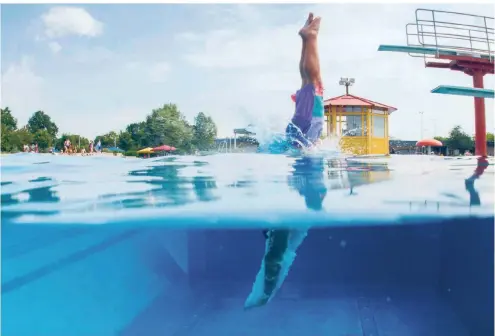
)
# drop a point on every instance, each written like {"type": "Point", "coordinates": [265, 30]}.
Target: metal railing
{"type": "Point", "coordinates": [465, 34]}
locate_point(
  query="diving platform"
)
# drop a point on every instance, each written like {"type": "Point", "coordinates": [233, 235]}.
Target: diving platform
{"type": "Point", "coordinates": [464, 91]}
{"type": "Point", "coordinates": [448, 35]}
{"type": "Point", "coordinates": [459, 42]}
{"type": "Point", "coordinates": [431, 51]}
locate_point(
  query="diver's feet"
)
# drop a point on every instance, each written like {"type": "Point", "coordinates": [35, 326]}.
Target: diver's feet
{"type": "Point", "coordinates": [261, 302]}
{"type": "Point", "coordinates": [308, 21]}
{"type": "Point", "coordinates": [311, 28]}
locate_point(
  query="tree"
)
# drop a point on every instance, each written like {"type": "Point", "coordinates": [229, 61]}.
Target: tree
{"type": "Point", "coordinates": [125, 141]}
{"type": "Point", "coordinates": [74, 139]}
{"type": "Point", "coordinates": [458, 139]}
{"type": "Point", "coordinates": [489, 136]}
{"type": "Point", "coordinates": [42, 121]}
{"type": "Point", "coordinates": [19, 138]}
{"type": "Point", "coordinates": [8, 120]}
{"type": "Point", "coordinates": [43, 139]}
{"type": "Point", "coordinates": [167, 126]}
{"type": "Point", "coordinates": [137, 132]}
{"type": "Point", "coordinates": [107, 140]}
{"type": "Point", "coordinates": [442, 139]}
{"type": "Point", "coordinates": [204, 132]}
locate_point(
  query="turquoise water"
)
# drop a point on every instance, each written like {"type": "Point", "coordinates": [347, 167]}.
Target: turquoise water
{"type": "Point", "coordinates": [237, 190]}
{"type": "Point", "coordinates": [171, 246]}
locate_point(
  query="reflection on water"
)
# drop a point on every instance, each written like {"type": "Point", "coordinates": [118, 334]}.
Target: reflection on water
{"type": "Point", "coordinates": [281, 244]}
{"type": "Point", "coordinates": [40, 185]}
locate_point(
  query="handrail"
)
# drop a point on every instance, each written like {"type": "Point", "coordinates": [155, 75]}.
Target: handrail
{"type": "Point", "coordinates": [452, 34]}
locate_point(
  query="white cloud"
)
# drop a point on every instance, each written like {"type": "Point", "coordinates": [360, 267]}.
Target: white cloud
{"type": "Point", "coordinates": [21, 90]}
{"type": "Point", "coordinates": [55, 47]}
{"type": "Point", "coordinates": [63, 21]}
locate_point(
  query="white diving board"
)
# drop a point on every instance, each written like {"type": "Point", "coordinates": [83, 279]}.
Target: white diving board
{"type": "Point", "coordinates": [464, 91]}
{"type": "Point", "coordinates": [428, 51]}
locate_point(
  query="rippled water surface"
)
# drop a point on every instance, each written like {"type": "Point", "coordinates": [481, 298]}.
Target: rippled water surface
{"type": "Point", "coordinates": [231, 190]}
{"type": "Point", "coordinates": [103, 246]}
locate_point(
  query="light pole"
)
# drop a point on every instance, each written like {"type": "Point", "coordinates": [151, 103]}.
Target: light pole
{"type": "Point", "coordinates": [347, 82]}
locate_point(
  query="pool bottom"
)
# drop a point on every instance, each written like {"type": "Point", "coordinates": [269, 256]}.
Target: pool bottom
{"type": "Point", "coordinates": [217, 309]}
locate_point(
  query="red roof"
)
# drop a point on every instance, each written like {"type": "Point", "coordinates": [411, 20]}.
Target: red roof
{"type": "Point", "coordinates": [350, 100]}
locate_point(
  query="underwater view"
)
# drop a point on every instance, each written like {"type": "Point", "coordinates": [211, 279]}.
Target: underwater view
{"type": "Point", "coordinates": [186, 170]}
{"type": "Point", "coordinates": [246, 244]}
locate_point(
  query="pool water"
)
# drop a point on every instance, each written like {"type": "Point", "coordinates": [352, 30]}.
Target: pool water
{"type": "Point", "coordinates": [171, 246]}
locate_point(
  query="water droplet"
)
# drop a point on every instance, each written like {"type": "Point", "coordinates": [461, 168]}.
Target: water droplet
{"type": "Point", "coordinates": [389, 299]}
{"type": "Point", "coordinates": [343, 243]}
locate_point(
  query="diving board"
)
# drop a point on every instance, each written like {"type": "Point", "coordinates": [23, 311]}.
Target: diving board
{"type": "Point", "coordinates": [427, 51]}
{"type": "Point", "coordinates": [461, 42]}
{"type": "Point", "coordinates": [464, 91]}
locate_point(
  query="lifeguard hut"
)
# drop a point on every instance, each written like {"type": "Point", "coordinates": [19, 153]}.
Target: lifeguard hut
{"type": "Point", "coordinates": [361, 124]}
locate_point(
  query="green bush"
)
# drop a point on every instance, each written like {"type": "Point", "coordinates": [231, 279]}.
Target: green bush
{"type": "Point", "coordinates": [130, 153]}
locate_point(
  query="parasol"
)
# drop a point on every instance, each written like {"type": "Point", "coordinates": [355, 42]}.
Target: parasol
{"type": "Point", "coordinates": [147, 150]}
{"type": "Point", "coordinates": [429, 143]}
{"type": "Point", "coordinates": [162, 148]}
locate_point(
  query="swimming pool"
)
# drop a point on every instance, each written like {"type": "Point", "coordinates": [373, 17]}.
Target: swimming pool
{"type": "Point", "coordinates": [171, 246]}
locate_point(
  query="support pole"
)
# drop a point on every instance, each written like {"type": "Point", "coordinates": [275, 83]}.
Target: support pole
{"type": "Point", "coordinates": [479, 116]}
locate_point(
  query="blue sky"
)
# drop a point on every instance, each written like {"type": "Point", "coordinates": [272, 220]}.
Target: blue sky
{"type": "Point", "coordinates": [96, 68]}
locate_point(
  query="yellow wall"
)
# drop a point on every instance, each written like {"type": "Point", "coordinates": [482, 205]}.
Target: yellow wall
{"type": "Point", "coordinates": [354, 145]}
{"type": "Point", "coordinates": [365, 143]}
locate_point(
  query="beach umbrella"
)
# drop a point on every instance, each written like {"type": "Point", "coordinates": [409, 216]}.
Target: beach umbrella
{"type": "Point", "coordinates": [147, 150]}
{"type": "Point", "coordinates": [173, 148]}
{"type": "Point", "coordinates": [429, 143]}
{"type": "Point", "coordinates": [162, 148]}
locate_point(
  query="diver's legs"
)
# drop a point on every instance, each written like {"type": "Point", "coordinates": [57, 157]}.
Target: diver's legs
{"type": "Point", "coordinates": [304, 77]}
{"type": "Point", "coordinates": [310, 59]}
{"type": "Point", "coordinates": [278, 241]}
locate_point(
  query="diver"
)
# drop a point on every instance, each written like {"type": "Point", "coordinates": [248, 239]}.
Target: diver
{"type": "Point", "coordinates": [303, 132]}
{"type": "Point", "coordinates": [306, 125]}
{"type": "Point", "coordinates": [281, 244]}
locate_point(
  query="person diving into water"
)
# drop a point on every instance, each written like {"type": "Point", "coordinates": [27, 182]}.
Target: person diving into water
{"type": "Point", "coordinates": [303, 132]}
{"type": "Point", "coordinates": [281, 244]}
{"type": "Point", "coordinates": [306, 125]}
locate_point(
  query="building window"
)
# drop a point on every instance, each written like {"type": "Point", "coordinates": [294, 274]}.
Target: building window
{"type": "Point", "coordinates": [378, 125]}
{"type": "Point", "coordinates": [328, 123]}
{"type": "Point", "coordinates": [365, 125]}
{"type": "Point", "coordinates": [351, 125]}
{"type": "Point", "coordinates": [376, 110]}
{"type": "Point", "coordinates": [351, 109]}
